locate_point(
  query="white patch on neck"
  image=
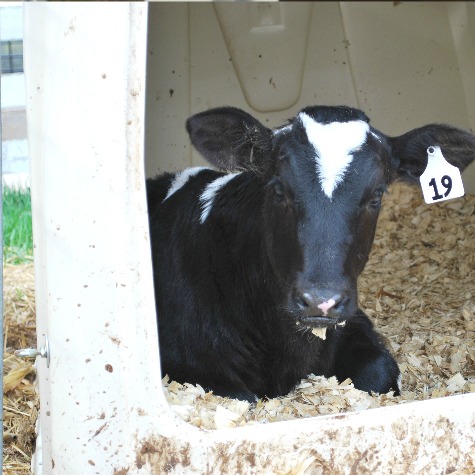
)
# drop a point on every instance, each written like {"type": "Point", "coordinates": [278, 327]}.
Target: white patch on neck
{"type": "Point", "coordinates": [209, 193]}
{"type": "Point", "coordinates": [333, 144]}
{"type": "Point", "coordinates": [181, 178]}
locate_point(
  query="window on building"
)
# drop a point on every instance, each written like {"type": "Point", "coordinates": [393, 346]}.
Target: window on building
{"type": "Point", "coordinates": [12, 56]}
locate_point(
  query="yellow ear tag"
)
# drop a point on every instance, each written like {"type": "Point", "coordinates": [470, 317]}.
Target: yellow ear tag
{"type": "Point", "coordinates": [440, 181]}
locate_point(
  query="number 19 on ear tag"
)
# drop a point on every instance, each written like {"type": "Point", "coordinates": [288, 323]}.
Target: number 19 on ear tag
{"type": "Point", "coordinates": [440, 180]}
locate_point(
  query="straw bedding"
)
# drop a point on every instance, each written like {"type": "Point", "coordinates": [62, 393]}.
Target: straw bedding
{"type": "Point", "coordinates": [20, 400]}
{"type": "Point", "coordinates": [418, 287]}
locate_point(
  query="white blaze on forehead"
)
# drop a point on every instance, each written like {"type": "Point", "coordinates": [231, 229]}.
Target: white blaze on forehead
{"type": "Point", "coordinates": [333, 144]}
{"type": "Point", "coordinates": [209, 193]}
{"type": "Point", "coordinates": [181, 178]}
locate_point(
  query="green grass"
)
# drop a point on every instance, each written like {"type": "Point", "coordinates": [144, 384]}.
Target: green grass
{"type": "Point", "coordinates": [17, 230]}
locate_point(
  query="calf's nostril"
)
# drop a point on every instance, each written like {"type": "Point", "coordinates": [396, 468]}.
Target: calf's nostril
{"type": "Point", "coordinates": [338, 299]}
{"type": "Point", "coordinates": [304, 300]}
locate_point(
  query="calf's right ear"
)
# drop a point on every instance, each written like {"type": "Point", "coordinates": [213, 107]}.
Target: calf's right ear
{"type": "Point", "coordinates": [410, 149]}
{"type": "Point", "coordinates": [230, 139]}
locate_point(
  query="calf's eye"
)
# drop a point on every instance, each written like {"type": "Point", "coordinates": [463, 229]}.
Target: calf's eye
{"type": "Point", "coordinates": [375, 201]}
{"type": "Point", "coordinates": [279, 189]}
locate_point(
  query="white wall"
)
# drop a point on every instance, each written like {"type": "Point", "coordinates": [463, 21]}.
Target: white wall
{"type": "Point", "coordinates": [405, 65]}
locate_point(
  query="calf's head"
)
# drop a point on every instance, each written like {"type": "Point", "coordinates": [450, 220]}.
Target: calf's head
{"type": "Point", "coordinates": [324, 174]}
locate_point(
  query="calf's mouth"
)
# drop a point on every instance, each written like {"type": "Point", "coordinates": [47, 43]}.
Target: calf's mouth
{"type": "Point", "coordinates": [317, 321]}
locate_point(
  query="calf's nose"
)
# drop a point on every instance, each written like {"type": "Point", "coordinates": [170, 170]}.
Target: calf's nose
{"type": "Point", "coordinates": [314, 303]}
{"type": "Point", "coordinates": [330, 303]}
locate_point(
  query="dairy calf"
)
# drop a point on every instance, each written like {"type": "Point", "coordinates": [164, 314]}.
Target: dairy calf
{"type": "Point", "coordinates": [249, 259]}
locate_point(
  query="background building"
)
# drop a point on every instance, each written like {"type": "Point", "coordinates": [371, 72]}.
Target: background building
{"type": "Point", "coordinates": [14, 139]}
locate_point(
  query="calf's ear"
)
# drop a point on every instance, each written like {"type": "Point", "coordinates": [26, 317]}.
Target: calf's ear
{"type": "Point", "coordinates": [230, 139]}
{"type": "Point", "coordinates": [410, 149]}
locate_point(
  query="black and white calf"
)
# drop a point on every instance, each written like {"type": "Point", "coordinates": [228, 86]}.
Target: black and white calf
{"type": "Point", "coordinates": [249, 259]}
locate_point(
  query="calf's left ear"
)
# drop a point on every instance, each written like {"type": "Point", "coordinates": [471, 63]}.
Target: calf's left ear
{"type": "Point", "coordinates": [410, 149]}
